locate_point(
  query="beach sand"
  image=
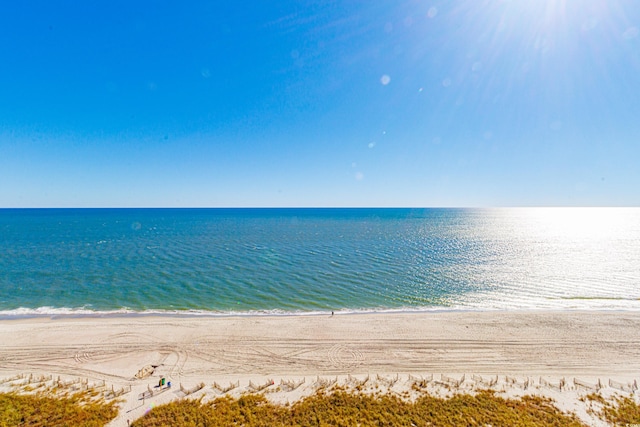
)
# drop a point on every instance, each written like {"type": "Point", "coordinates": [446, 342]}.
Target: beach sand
{"type": "Point", "coordinates": [532, 350]}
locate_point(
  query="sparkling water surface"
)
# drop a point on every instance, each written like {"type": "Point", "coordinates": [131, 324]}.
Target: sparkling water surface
{"type": "Point", "coordinates": [252, 261]}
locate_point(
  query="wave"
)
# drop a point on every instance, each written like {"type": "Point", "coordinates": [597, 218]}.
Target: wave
{"type": "Point", "coordinates": [59, 312]}
{"type": "Point", "coordinates": [82, 312]}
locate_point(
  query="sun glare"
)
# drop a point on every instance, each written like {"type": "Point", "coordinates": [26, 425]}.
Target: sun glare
{"type": "Point", "coordinates": [577, 223]}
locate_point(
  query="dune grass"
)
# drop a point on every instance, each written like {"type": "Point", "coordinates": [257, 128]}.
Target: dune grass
{"type": "Point", "coordinates": [342, 408]}
{"type": "Point", "coordinates": [40, 409]}
{"type": "Point", "coordinates": [337, 407]}
{"type": "Point", "coordinates": [619, 410]}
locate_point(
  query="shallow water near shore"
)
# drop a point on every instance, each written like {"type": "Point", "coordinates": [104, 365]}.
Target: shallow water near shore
{"type": "Point", "coordinates": [309, 261]}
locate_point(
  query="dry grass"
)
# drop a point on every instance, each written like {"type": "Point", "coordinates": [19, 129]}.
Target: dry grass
{"type": "Point", "coordinates": [618, 411]}
{"type": "Point", "coordinates": [52, 406]}
{"type": "Point", "coordinates": [341, 408]}
{"type": "Point", "coordinates": [79, 409]}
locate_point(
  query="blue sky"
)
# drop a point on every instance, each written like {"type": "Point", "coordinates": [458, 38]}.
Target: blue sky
{"type": "Point", "coordinates": [327, 103]}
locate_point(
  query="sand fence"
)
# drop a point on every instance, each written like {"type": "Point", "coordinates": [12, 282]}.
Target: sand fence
{"type": "Point", "coordinates": [420, 382]}
{"type": "Point", "coordinates": [259, 387]}
{"type": "Point", "coordinates": [579, 384]}
{"type": "Point", "coordinates": [291, 385]}
{"type": "Point", "coordinates": [388, 382]}
{"type": "Point", "coordinates": [484, 382]}
{"type": "Point", "coordinates": [30, 383]}
{"type": "Point", "coordinates": [324, 383]}
{"type": "Point", "coordinates": [448, 381]}
{"type": "Point", "coordinates": [222, 389]}
{"type": "Point", "coordinates": [630, 387]}
{"type": "Point", "coordinates": [357, 383]}
{"type": "Point", "coordinates": [194, 389]}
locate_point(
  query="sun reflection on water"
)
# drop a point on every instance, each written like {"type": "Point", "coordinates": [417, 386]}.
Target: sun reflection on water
{"type": "Point", "coordinates": [580, 223]}
{"type": "Point", "coordinates": [555, 258]}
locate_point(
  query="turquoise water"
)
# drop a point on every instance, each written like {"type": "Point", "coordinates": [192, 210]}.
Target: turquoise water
{"type": "Point", "coordinates": [218, 261]}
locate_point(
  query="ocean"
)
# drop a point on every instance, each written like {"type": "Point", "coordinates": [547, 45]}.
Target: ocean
{"type": "Point", "coordinates": [309, 261]}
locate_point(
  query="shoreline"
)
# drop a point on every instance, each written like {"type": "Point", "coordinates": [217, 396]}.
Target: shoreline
{"type": "Point", "coordinates": [80, 313]}
{"type": "Point", "coordinates": [538, 346]}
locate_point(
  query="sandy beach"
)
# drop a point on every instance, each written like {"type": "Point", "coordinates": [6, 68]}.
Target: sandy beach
{"type": "Point", "coordinates": [540, 349]}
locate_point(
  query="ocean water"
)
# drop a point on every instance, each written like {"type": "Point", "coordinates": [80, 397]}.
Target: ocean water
{"type": "Point", "coordinates": [253, 261]}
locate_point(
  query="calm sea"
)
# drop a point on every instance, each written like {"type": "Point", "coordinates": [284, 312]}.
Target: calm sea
{"type": "Point", "coordinates": [221, 261]}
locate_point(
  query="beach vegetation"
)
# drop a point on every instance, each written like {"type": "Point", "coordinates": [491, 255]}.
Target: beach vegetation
{"type": "Point", "coordinates": [343, 408]}
{"type": "Point", "coordinates": [44, 409]}
{"type": "Point", "coordinates": [44, 406]}
{"type": "Point", "coordinates": [618, 410]}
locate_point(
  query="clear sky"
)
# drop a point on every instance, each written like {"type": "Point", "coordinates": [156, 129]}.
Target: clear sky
{"type": "Point", "coordinates": [325, 103]}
